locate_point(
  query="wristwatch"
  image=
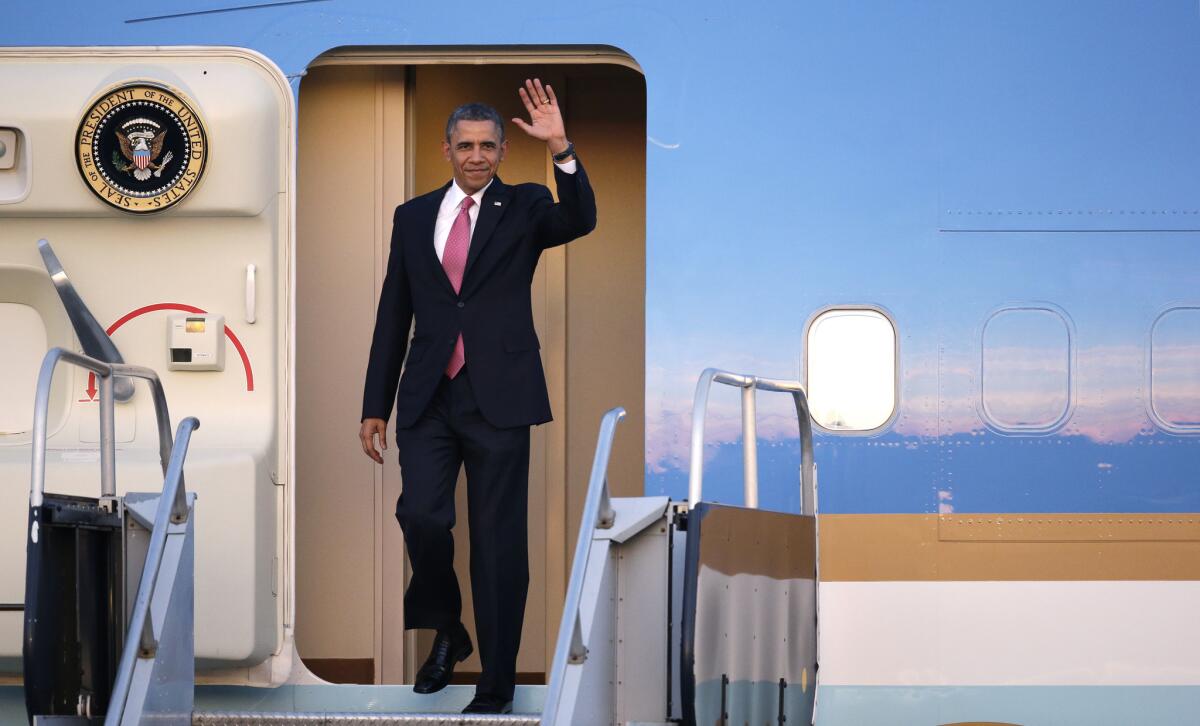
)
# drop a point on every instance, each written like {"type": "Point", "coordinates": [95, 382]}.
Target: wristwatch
{"type": "Point", "coordinates": [565, 154]}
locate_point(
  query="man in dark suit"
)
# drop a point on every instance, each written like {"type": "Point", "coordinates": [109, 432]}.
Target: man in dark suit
{"type": "Point", "coordinates": [461, 263]}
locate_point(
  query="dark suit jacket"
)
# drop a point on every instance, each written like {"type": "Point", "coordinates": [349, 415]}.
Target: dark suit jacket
{"type": "Point", "coordinates": [492, 311]}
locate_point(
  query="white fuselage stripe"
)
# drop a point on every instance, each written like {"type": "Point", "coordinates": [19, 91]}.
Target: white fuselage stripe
{"type": "Point", "coordinates": [1052, 633]}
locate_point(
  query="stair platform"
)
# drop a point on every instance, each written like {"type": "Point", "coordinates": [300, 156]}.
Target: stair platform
{"type": "Point", "coordinates": [249, 718]}
{"type": "Point", "coordinates": [328, 704]}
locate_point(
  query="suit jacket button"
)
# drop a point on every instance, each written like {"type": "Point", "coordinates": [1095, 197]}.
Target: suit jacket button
{"type": "Point", "coordinates": [461, 304]}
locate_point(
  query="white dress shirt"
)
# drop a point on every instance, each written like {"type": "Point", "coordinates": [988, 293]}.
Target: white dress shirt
{"type": "Point", "coordinates": [448, 211]}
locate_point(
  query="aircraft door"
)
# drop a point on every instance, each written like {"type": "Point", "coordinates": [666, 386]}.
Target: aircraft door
{"type": "Point", "coordinates": [369, 138]}
{"type": "Point", "coordinates": [162, 178]}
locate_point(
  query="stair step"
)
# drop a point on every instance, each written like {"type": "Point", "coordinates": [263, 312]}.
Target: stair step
{"type": "Point", "coordinates": [251, 718]}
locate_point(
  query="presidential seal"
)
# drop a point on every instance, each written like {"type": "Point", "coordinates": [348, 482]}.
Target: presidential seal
{"type": "Point", "coordinates": [141, 148]}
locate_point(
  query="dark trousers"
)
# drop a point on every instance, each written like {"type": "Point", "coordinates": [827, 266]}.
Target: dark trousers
{"type": "Point", "coordinates": [452, 433]}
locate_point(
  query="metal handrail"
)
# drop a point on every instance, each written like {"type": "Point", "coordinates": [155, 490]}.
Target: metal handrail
{"type": "Point", "coordinates": [105, 372]}
{"type": "Point", "coordinates": [92, 337]}
{"type": "Point", "coordinates": [140, 641]}
{"type": "Point", "coordinates": [597, 514]}
{"type": "Point", "coordinates": [749, 384]}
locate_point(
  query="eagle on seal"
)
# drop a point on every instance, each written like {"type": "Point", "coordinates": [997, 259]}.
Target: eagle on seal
{"type": "Point", "coordinates": [141, 148]}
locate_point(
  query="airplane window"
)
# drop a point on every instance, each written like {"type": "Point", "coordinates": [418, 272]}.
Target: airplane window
{"type": "Point", "coordinates": [850, 369]}
{"type": "Point", "coordinates": [1175, 370]}
{"type": "Point", "coordinates": [1026, 378]}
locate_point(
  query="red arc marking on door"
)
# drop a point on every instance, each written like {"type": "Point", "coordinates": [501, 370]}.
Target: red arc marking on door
{"type": "Point", "coordinates": [91, 389]}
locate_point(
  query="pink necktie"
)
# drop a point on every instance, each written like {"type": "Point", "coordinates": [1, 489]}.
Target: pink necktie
{"type": "Point", "coordinates": [454, 260]}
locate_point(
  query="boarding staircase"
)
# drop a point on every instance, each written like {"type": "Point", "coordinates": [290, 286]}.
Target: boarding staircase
{"type": "Point", "coordinates": [108, 582]}
{"type": "Point", "coordinates": [696, 613]}
{"type": "Point", "coordinates": [700, 613]}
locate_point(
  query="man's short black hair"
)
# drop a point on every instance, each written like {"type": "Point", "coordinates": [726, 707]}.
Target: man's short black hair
{"type": "Point", "coordinates": [474, 112]}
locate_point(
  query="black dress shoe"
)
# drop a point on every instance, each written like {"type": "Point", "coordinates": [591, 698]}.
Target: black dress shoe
{"type": "Point", "coordinates": [483, 703]}
{"type": "Point", "coordinates": [449, 648]}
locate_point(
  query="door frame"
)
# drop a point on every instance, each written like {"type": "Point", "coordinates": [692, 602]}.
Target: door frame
{"type": "Point", "coordinates": [394, 660]}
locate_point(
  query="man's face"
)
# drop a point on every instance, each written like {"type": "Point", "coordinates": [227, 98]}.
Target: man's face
{"type": "Point", "coordinates": [475, 152]}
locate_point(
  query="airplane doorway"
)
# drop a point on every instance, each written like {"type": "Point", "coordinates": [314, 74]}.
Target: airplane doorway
{"type": "Point", "coordinates": [370, 130]}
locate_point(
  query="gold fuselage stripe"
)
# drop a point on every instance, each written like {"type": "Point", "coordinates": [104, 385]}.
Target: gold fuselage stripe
{"type": "Point", "coordinates": [932, 547]}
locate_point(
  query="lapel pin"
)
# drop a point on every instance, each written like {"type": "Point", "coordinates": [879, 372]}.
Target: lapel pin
{"type": "Point", "coordinates": [496, 203]}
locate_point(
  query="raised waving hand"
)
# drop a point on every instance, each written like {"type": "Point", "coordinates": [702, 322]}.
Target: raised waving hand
{"type": "Point", "coordinates": [545, 117]}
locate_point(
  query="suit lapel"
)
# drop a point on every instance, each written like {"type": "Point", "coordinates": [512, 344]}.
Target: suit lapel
{"type": "Point", "coordinates": [491, 209]}
{"type": "Point", "coordinates": [427, 220]}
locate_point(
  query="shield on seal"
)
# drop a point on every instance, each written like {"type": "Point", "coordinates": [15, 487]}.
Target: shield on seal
{"type": "Point", "coordinates": [141, 158]}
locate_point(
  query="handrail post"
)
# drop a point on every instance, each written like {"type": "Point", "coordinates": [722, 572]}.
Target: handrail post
{"type": "Point", "coordinates": [579, 651]}
{"type": "Point", "coordinates": [808, 467]}
{"type": "Point", "coordinates": [41, 406]}
{"type": "Point", "coordinates": [606, 516]}
{"type": "Point", "coordinates": [147, 643]}
{"type": "Point", "coordinates": [749, 446]}
{"type": "Point", "coordinates": [699, 407]}
{"type": "Point", "coordinates": [108, 438]}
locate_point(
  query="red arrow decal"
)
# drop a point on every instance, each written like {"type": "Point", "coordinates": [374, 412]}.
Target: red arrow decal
{"type": "Point", "coordinates": [91, 389]}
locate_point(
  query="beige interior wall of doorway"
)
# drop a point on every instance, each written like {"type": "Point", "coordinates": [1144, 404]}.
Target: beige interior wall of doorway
{"type": "Point", "coordinates": [369, 138]}
{"type": "Point", "coordinates": [351, 174]}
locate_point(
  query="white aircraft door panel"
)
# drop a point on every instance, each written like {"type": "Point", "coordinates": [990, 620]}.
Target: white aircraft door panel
{"type": "Point", "coordinates": [200, 141]}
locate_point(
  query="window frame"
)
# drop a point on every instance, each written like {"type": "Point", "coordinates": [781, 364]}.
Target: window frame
{"type": "Point", "coordinates": [891, 320]}
{"type": "Point", "coordinates": [1068, 413]}
{"type": "Point", "coordinates": [1159, 422]}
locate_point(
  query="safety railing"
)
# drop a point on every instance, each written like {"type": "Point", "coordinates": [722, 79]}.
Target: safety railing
{"type": "Point", "coordinates": [140, 640]}
{"type": "Point", "coordinates": [570, 648]}
{"type": "Point", "coordinates": [749, 385]}
{"type": "Point", "coordinates": [172, 507]}
{"type": "Point", "coordinates": [106, 374]}
{"type": "Point", "coordinates": [92, 337]}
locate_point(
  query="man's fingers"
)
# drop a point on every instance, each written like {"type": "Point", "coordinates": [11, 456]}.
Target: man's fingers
{"type": "Point", "coordinates": [543, 96]}
{"type": "Point", "coordinates": [550, 93]}
{"type": "Point", "coordinates": [371, 451]}
{"type": "Point", "coordinates": [523, 126]}
{"type": "Point", "coordinates": [366, 437]}
{"type": "Point", "coordinates": [525, 99]}
{"type": "Point", "coordinates": [368, 446]}
{"type": "Point", "coordinates": [537, 93]}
